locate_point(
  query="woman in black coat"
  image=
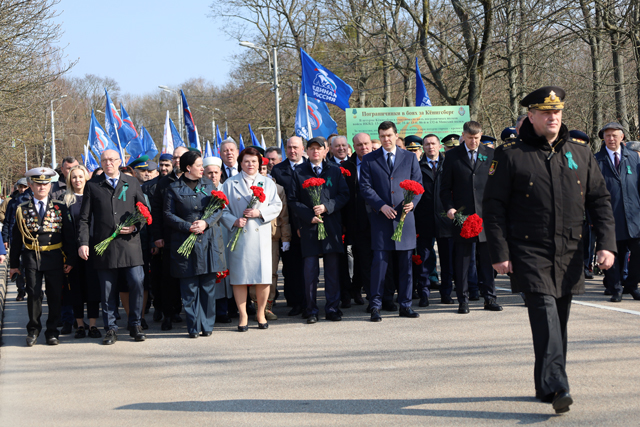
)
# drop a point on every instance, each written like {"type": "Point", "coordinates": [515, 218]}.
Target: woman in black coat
{"type": "Point", "coordinates": [184, 205]}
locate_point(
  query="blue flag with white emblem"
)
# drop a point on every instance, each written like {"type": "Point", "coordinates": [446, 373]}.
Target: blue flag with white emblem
{"type": "Point", "coordinates": [116, 128]}
{"type": "Point", "coordinates": [98, 138]}
{"type": "Point", "coordinates": [322, 124]}
{"type": "Point", "coordinates": [320, 83]}
{"type": "Point", "coordinates": [189, 123]}
{"type": "Point", "coordinates": [422, 97]}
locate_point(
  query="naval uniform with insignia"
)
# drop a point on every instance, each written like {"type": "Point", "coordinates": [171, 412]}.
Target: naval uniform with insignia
{"type": "Point", "coordinates": [534, 205]}
{"type": "Point", "coordinates": [44, 238]}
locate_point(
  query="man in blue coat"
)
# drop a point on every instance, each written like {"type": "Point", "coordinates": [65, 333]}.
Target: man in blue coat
{"type": "Point", "coordinates": [621, 168]}
{"type": "Point", "coordinates": [381, 173]}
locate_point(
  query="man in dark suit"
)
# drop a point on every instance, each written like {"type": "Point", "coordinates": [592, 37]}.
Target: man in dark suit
{"type": "Point", "coordinates": [621, 171]}
{"type": "Point", "coordinates": [229, 155]}
{"type": "Point", "coordinates": [464, 177]}
{"type": "Point", "coordinates": [334, 194]}
{"type": "Point", "coordinates": [381, 173]}
{"type": "Point", "coordinates": [292, 259]}
{"type": "Point", "coordinates": [430, 224]}
{"type": "Point", "coordinates": [108, 200]}
{"type": "Point", "coordinates": [42, 235]}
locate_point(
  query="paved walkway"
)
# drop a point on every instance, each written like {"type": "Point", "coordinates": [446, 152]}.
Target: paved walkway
{"type": "Point", "coordinates": [440, 369]}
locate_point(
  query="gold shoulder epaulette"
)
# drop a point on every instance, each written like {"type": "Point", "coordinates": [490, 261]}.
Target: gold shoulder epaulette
{"type": "Point", "coordinates": [579, 141]}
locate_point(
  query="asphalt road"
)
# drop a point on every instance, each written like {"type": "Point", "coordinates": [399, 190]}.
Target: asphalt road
{"type": "Point", "coordinates": [441, 369]}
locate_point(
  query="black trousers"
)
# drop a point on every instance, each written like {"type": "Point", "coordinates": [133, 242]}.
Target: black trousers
{"type": "Point", "coordinates": [155, 278]}
{"type": "Point", "coordinates": [170, 287]}
{"type": "Point", "coordinates": [422, 272]}
{"type": "Point", "coordinates": [85, 288]}
{"type": "Point", "coordinates": [331, 283]}
{"type": "Point", "coordinates": [54, 281]}
{"type": "Point", "coordinates": [362, 256]}
{"type": "Point", "coordinates": [613, 276]}
{"type": "Point", "coordinates": [462, 254]}
{"type": "Point", "coordinates": [292, 270]}
{"type": "Point", "coordinates": [548, 317]}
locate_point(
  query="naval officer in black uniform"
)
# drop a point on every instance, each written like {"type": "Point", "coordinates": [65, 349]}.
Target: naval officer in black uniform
{"type": "Point", "coordinates": [534, 203]}
{"type": "Point", "coordinates": [43, 235]}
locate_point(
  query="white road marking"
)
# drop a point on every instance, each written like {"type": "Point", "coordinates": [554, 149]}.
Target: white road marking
{"type": "Point", "coordinates": [588, 304]}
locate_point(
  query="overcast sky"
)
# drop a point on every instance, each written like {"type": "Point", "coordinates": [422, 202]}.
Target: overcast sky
{"type": "Point", "coordinates": [145, 43]}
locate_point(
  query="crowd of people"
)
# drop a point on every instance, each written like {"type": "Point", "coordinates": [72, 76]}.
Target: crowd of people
{"type": "Point", "coordinates": [546, 201]}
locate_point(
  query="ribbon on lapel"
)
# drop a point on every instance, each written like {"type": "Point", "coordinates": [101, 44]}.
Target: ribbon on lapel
{"type": "Point", "coordinates": [201, 190]}
{"type": "Point", "coordinates": [329, 183]}
{"type": "Point", "coordinates": [482, 157]}
{"type": "Point", "coordinates": [572, 164]}
{"type": "Point", "coordinates": [123, 193]}
{"type": "Point", "coordinates": [629, 170]}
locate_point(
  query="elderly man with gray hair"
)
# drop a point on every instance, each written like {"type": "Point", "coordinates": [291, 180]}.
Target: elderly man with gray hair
{"type": "Point", "coordinates": [229, 155]}
{"type": "Point", "coordinates": [621, 171]}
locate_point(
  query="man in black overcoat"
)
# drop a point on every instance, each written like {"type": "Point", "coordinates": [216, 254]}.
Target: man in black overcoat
{"type": "Point", "coordinates": [108, 200]}
{"type": "Point", "coordinates": [464, 177]}
{"type": "Point", "coordinates": [534, 204]}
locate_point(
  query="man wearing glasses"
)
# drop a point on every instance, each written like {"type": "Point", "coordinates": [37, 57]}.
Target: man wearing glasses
{"type": "Point", "coordinates": [108, 200]}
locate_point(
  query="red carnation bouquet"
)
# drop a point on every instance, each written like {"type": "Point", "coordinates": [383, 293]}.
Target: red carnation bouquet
{"type": "Point", "coordinates": [345, 172]}
{"type": "Point", "coordinates": [221, 275]}
{"type": "Point", "coordinates": [411, 189]}
{"type": "Point", "coordinates": [471, 225]}
{"type": "Point", "coordinates": [142, 214]}
{"type": "Point", "coordinates": [218, 201]}
{"type": "Point", "coordinates": [314, 186]}
{"type": "Point", "coordinates": [416, 259]}
{"type": "Point", "coordinates": [258, 196]}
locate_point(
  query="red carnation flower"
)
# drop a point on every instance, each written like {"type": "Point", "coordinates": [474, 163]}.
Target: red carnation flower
{"type": "Point", "coordinates": [344, 171]}
{"type": "Point", "coordinates": [416, 259]}
{"type": "Point", "coordinates": [411, 189]}
{"type": "Point", "coordinates": [471, 227]}
{"type": "Point", "coordinates": [221, 197]}
{"type": "Point", "coordinates": [313, 182]}
{"type": "Point", "coordinates": [259, 193]}
{"type": "Point", "coordinates": [413, 186]}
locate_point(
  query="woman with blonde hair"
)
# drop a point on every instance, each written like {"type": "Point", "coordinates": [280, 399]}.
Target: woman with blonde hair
{"type": "Point", "coordinates": [83, 281]}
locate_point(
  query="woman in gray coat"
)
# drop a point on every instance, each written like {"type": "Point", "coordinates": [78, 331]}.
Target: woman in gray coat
{"type": "Point", "coordinates": [250, 262]}
{"type": "Point", "coordinates": [184, 205]}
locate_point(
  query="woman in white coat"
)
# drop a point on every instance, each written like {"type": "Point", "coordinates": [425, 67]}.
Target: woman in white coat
{"type": "Point", "coordinates": [250, 262]}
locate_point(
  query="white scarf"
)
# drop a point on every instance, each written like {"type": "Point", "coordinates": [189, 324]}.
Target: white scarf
{"type": "Point", "coordinates": [249, 179]}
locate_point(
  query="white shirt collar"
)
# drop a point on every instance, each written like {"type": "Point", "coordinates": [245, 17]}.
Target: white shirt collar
{"type": "Point", "coordinates": [393, 151]}
{"type": "Point", "coordinates": [44, 201]}
{"type": "Point", "coordinates": [619, 151]}
{"type": "Point", "coordinates": [293, 165]}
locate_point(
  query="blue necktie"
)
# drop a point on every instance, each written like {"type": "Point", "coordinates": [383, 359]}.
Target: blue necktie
{"type": "Point", "coordinates": [317, 170]}
{"type": "Point", "coordinates": [389, 162]}
{"type": "Point", "coordinates": [41, 210]}
{"type": "Point", "coordinates": [113, 182]}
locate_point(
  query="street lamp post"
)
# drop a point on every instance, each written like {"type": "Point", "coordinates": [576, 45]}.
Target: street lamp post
{"type": "Point", "coordinates": [275, 82]}
{"type": "Point", "coordinates": [180, 109]}
{"type": "Point", "coordinates": [53, 133]}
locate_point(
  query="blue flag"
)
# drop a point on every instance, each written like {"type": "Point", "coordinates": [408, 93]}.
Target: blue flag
{"type": "Point", "coordinates": [225, 134]}
{"type": "Point", "coordinates": [218, 140]}
{"type": "Point", "coordinates": [148, 144]}
{"type": "Point", "coordinates": [177, 141]}
{"type": "Point", "coordinates": [241, 145]}
{"type": "Point", "coordinates": [135, 148]}
{"type": "Point", "coordinates": [190, 124]}
{"type": "Point", "coordinates": [254, 139]}
{"type": "Point", "coordinates": [88, 160]}
{"type": "Point", "coordinates": [127, 122]}
{"type": "Point", "coordinates": [318, 82]}
{"type": "Point", "coordinates": [98, 138]}
{"type": "Point", "coordinates": [282, 147]}
{"type": "Point", "coordinates": [208, 152]}
{"type": "Point", "coordinates": [114, 125]}
{"type": "Point", "coordinates": [322, 124]}
{"type": "Point", "coordinates": [422, 97]}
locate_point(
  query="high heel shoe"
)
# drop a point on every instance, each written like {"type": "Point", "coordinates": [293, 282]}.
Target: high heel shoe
{"type": "Point", "coordinates": [244, 328]}
{"type": "Point", "coordinates": [264, 325]}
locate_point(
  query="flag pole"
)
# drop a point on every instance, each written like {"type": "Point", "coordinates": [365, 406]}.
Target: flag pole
{"type": "Point", "coordinates": [306, 110]}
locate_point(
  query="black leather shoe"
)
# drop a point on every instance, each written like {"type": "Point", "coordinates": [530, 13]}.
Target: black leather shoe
{"type": "Point", "coordinates": [607, 292]}
{"type": "Point", "coordinates": [137, 333]}
{"type": "Point", "coordinates": [415, 294]}
{"type": "Point", "coordinates": [67, 328]}
{"type": "Point", "coordinates": [492, 305]}
{"type": "Point", "coordinates": [144, 324]}
{"type": "Point", "coordinates": [53, 341]}
{"type": "Point", "coordinates": [562, 401]}
{"type": "Point", "coordinates": [305, 314]}
{"type": "Point", "coordinates": [176, 318]}
{"type": "Point", "coordinates": [20, 296]}
{"type": "Point", "coordinates": [346, 303]}
{"type": "Point", "coordinates": [193, 335]}
{"type": "Point", "coordinates": [295, 311]}
{"type": "Point", "coordinates": [474, 296]}
{"type": "Point", "coordinates": [545, 398]}
{"type": "Point", "coordinates": [408, 312]}
{"type": "Point", "coordinates": [635, 294]}
{"type": "Point", "coordinates": [334, 317]}
{"type": "Point", "coordinates": [447, 300]}
{"type": "Point", "coordinates": [223, 319]}
{"type": "Point", "coordinates": [264, 325]}
{"type": "Point", "coordinates": [94, 332]}
{"type": "Point", "coordinates": [206, 333]}
{"type": "Point", "coordinates": [375, 315]}
{"type": "Point", "coordinates": [244, 328]}
{"type": "Point", "coordinates": [157, 316]}
{"type": "Point", "coordinates": [110, 338]}
{"type": "Point", "coordinates": [424, 302]}
{"type": "Point", "coordinates": [389, 306]}
{"type": "Point", "coordinates": [312, 319]}
{"type": "Point", "coordinates": [31, 339]}
{"type": "Point", "coordinates": [616, 297]}
{"type": "Point", "coordinates": [80, 332]}
{"type": "Point", "coordinates": [166, 324]}
{"type": "Point", "coordinates": [587, 274]}
{"type": "Point", "coordinates": [358, 300]}
{"type": "Point", "coordinates": [368, 309]}
{"type": "Point", "coordinates": [463, 308]}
